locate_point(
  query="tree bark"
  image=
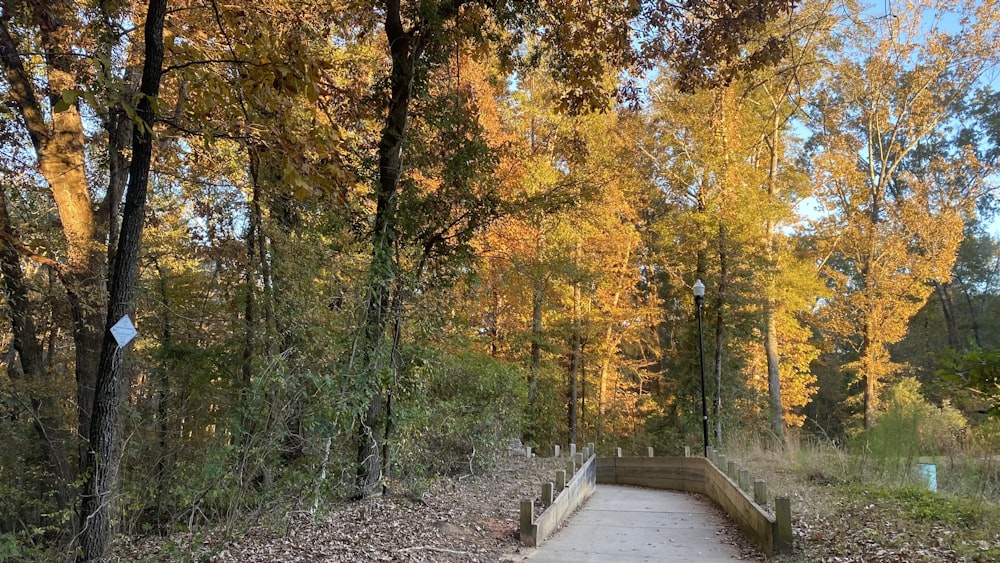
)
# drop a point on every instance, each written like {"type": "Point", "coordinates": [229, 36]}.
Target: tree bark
{"type": "Point", "coordinates": [102, 460]}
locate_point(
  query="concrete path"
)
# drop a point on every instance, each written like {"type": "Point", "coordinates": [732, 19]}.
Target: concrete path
{"type": "Point", "coordinates": [628, 524]}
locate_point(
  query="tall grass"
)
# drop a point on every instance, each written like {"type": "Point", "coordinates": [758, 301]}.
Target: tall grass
{"type": "Point", "coordinates": [908, 432]}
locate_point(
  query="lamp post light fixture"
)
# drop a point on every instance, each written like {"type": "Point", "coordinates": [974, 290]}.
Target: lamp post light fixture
{"type": "Point", "coordinates": [699, 300]}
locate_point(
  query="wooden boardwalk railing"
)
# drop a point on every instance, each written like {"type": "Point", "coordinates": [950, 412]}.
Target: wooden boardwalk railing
{"type": "Point", "coordinates": [730, 490]}
{"type": "Point", "coordinates": [582, 467]}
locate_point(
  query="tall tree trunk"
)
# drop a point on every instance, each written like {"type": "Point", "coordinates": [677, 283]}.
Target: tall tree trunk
{"type": "Point", "coordinates": [251, 326]}
{"type": "Point", "coordinates": [119, 129]}
{"type": "Point", "coordinates": [773, 374]}
{"type": "Point", "coordinates": [405, 49]}
{"type": "Point", "coordinates": [943, 290]}
{"type": "Point", "coordinates": [537, 308]}
{"type": "Point", "coordinates": [610, 347]}
{"type": "Point", "coordinates": [102, 461]}
{"type": "Point", "coordinates": [163, 403]}
{"type": "Point", "coordinates": [395, 360]}
{"type": "Point", "coordinates": [721, 125]}
{"type": "Point", "coordinates": [869, 377]}
{"type": "Point", "coordinates": [770, 326]}
{"type": "Point", "coordinates": [871, 342]}
{"type": "Point", "coordinates": [974, 317]}
{"type": "Point", "coordinates": [720, 332]}
{"type": "Point", "coordinates": [270, 338]}
{"type": "Point", "coordinates": [574, 366]}
{"type": "Point", "coordinates": [495, 322]}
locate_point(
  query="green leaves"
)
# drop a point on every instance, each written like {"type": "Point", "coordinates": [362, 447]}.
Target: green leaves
{"type": "Point", "coordinates": [976, 369]}
{"type": "Point", "coordinates": [68, 98]}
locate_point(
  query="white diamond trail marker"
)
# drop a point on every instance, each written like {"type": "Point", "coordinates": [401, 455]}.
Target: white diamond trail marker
{"type": "Point", "coordinates": [123, 331]}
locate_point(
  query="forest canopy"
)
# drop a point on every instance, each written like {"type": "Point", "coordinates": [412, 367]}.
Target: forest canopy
{"type": "Point", "coordinates": [365, 245]}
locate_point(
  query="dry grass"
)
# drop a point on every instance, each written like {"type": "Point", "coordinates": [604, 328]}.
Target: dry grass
{"type": "Point", "coordinates": [844, 512]}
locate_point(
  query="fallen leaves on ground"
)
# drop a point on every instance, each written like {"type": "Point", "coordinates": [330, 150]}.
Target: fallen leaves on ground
{"type": "Point", "coordinates": [839, 522]}
{"type": "Point", "coordinates": [468, 519]}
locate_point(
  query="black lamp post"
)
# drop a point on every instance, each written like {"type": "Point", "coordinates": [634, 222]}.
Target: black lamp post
{"type": "Point", "coordinates": [699, 300]}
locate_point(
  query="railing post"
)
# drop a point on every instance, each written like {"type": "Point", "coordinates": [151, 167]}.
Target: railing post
{"type": "Point", "coordinates": [572, 449]}
{"type": "Point", "coordinates": [649, 451]}
{"type": "Point", "coordinates": [734, 470]}
{"type": "Point", "coordinates": [783, 523]}
{"type": "Point", "coordinates": [618, 452]}
{"type": "Point", "coordinates": [570, 467]}
{"type": "Point", "coordinates": [527, 452]}
{"type": "Point", "coordinates": [720, 462]}
{"type": "Point", "coordinates": [528, 522]}
{"type": "Point", "coordinates": [745, 479]}
{"type": "Point", "coordinates": [556, 450]}
{"type": "Point", "coordinates": [547, 494]}
{"type": "Point", "coordinates": [687, 451]}
{"type": "Point", "coordinates": [560, 480]}
{"type": "Point", "coordinates": [760, 492]}
{"type": "Point", "coordinates": [590, 449]}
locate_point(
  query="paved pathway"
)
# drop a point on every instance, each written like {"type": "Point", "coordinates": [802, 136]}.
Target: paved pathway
{"type": "Point", "coordinates": [628, 524]}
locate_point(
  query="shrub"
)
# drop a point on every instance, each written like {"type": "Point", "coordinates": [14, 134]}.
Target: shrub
{"type": "Point", "coordinates": [458, 416]}
{"type": "Point", "coordinates": [910, 428]}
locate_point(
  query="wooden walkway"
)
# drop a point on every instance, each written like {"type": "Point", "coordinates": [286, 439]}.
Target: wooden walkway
{"type": "Point", "coordinates": [626, 524]}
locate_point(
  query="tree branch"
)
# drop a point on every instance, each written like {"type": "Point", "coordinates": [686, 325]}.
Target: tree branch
{"type": "Point", "coordinates": [24, 250]}
{"type": "Point", "coordinates": [21, 89]}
